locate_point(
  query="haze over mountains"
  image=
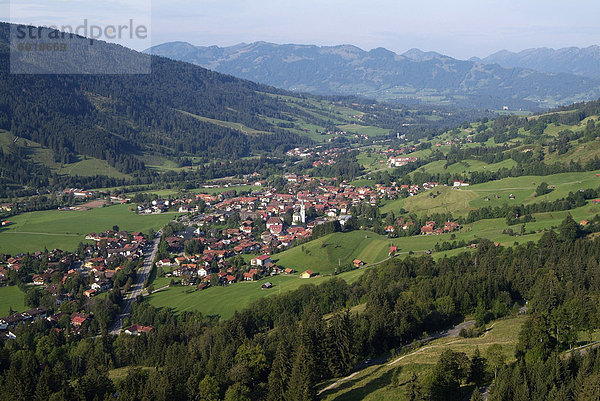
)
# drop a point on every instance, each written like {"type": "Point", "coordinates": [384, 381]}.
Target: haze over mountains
{"type": "Point", "coordinates": [573, 60]}
{"type": "Point", "coordinates": [415, 75]}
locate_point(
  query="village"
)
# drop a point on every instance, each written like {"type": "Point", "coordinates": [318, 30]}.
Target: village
{"type": "Point", "coordinates": [71, 277]}
{"type": "Point", "coordinates": [218, 239]}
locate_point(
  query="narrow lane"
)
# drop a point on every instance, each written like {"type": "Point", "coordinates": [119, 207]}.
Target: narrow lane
{"type": "Point", "coordinates": [138, 286]}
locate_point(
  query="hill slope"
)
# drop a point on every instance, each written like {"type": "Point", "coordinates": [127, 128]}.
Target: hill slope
{"type": "Point", "coordinates": [385, 75]}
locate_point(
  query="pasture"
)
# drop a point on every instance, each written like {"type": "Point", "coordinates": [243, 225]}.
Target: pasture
{"type": "Point", "coordinates": [493, 193]}
{"type": "Point", "coordinates": [11, 297]}
{"type": "Point", "coordinates": [51, 229]}
{"type": "Point", "coordinates": [224, 301]}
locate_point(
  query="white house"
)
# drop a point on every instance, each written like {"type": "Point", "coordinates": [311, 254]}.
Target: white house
{"type": "Point", "coordinates": [260, 260]}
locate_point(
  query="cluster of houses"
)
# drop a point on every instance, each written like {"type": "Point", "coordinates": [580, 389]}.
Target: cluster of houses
{"type": "Point", "coordinates": [430, 228]}
{"type": "Point", "coordinates": [322, 156]}
{"type": "Point", "coordinates": [398, 161]}
{"type": "Point", "coordinates": [79, 193]}
{"type": "Point", "coordinates": [9, 323]}
{"type": "Point", "coordinates": [199, 270]}
{"type": "Point", "coordinates": [77, 320]}
{"type": "Point", "coordinates": [269, 220]}
{"type": "Point", "coordinates": [96, 267]}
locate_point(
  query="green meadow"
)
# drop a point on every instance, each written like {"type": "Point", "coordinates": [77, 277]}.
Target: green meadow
{"type": "Point", "coordinates": [11, 297]}
{"type": "Point", "coordinates": [465, 166]}
{"type": "Point", "coordinates": [445, 199]}
{"type": "Point", "coordinates": [224, 301]}
{"type": "Point", "coordinates": [51, 229]}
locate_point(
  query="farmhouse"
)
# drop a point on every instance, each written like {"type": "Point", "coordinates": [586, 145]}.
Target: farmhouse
{"type": "Point", "coordinates": [358, 263]}
{"type": "Point", "coordinates": [251, 275]}
{"type": "Point", "coordinates": [307, 274]}
{"type": "Point", "coordinates": [450, 226]}
{"type": "Point", "coordinates": [400, 161]}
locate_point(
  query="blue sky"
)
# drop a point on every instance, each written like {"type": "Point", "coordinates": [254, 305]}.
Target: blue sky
{"type": "Point", "coordinates": [458, 28]}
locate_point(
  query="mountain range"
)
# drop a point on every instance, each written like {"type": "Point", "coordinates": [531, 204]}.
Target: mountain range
{"type": "Point", "coordinates": [384, 75]}
{"type": "Point", "coordinates": [573, 60]}
{"type": "Point", "coordinates": [178, 114]}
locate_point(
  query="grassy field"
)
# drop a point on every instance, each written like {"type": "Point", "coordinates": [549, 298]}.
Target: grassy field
{"type": "Point", "coordinates": [377, 382]}
{"type": "Point", "coordinates": [465, 166]}
{"type": "Point", "coordinates": [460, 201]}
{"type": "Point", "coordinates": [227, 124]}
{"type": "Point", "coordinates": [579, 152]}
{"type": "Point", "coordinates": [65, 229]}
{"type": "Point", "coordinates": [324, 254]}
{"type": "Point", "coordinates": [224, 301]}
{"type": "Point", "coordinates": [447, 199]}
{"type": "Point", "coordinates": [11, 297]}
{"type": "Point", "coordinates": [523, 188]}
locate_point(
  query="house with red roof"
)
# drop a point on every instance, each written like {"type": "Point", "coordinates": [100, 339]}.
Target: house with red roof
{"type": "Point", "coordinates": [77, 319]}
{"type": "Point", "coordinates": [138, 329]}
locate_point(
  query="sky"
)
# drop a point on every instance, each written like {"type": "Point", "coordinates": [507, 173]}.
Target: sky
{"type": "Point", "coordinates": [461, 28]}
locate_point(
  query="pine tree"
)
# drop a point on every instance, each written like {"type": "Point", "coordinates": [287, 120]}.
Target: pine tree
{"type": "Point", "coordinates": [339, 344]}
{"type": "Point", "coordinates": [302, 380]}
{"type": "Point", "coordinates": [477, 368]}
{"type": "Point", "coordinates": [280, 373]}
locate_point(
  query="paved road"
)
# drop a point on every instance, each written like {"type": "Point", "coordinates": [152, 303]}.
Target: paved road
{"type": "Point", "coordinates": [138, 286]}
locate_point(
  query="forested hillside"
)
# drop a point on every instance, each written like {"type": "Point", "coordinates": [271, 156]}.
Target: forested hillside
{"type": "Point", "coordinates": [179, 113]}
{"type": "Point", "coordinates": [581, 61]}
{"type": "Point", "coordinates": [114, 118]}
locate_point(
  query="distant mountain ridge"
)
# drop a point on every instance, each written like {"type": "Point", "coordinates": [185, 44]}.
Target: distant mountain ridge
{"type": "Point", "coordinates": [385, 75]}
{"type": "Point", "coordinates": [573, 60]}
